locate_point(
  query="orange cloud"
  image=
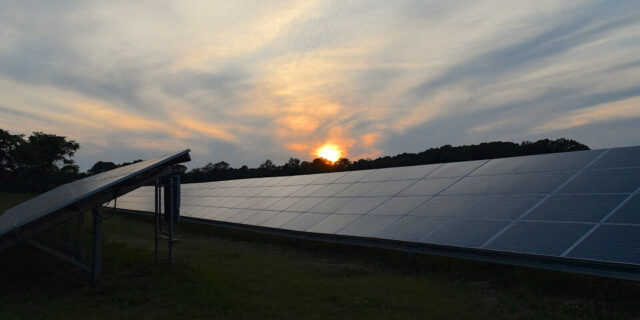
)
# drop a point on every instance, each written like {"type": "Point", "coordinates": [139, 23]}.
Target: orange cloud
{"type": "Point", "coordinates": [112, 118]}
{"type": "Point", "coordinates": [370, 139]}
{"type": "Point", "coordinates": [299, 147]}
{"type": "Point", "coordinates": [296, 125]}
{"type": "Point", "coordinates": [205, 128]}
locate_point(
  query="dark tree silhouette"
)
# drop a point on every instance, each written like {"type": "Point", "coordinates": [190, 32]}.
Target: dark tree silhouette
{"type": "Point", "coordinates": [179, 169]}
{"type": "Point", "coordinates": [292, 164]}
{"type": "Point", "coordinates": [446, 153]}
{"type": "Point", "coordinates": [342, 164]}
{"type": "Point", "coordinates": [101, 166]}
{"type": "Point", "coordinates": [221, 166]}
{"type": "Point", "coordinates": [38, 163]}
{"type": "Point", "coordinates": [8, 162]}
{"type": "Point", "coordinates": [267, 165]}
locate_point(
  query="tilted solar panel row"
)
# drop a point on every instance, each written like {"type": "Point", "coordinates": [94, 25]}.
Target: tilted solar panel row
{"type": "Point", "coordinates": [69, 195]}
{"type": "Point", "coordinates": [574, 206]}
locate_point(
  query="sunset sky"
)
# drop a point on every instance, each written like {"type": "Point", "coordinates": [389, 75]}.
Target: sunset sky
{"type": "Point", "coordinates": [243, 81]}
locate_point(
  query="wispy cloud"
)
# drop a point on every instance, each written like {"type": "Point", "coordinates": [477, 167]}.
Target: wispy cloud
{"type": "Point", "coordinates": [244, 81]}
{"type": "Point", "coordinates": [607, 112]}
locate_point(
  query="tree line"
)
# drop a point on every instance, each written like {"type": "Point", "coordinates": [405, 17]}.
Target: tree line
{"type": "Point", "coordinates": [43, 161]}
{"type": "Point", "coordinates": [447, 153]}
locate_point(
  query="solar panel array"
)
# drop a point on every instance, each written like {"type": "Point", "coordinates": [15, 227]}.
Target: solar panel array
{"type": "Point", "coordinates": [581, 205]}
{"type": "Point", "coordinates": [62, 196]}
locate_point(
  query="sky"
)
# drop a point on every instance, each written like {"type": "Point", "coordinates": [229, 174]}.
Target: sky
{"type": "Point", "coordinates": [245, 81]}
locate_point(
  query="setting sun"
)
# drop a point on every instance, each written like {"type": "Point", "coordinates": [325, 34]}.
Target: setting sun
{"type": "Point", "coordinates": [329, 152]}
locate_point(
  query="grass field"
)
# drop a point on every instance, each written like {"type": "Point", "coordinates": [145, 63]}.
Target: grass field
{"type": "Point", "coordinates": [223, 274]}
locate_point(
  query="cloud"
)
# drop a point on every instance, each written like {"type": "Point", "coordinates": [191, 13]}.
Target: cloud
{"type": "Point", "coordinates": [205, 128]}
{"type": "Point", "coordinates": [618, 110]}
{"type": "Point", "coordinates": [242, 81]}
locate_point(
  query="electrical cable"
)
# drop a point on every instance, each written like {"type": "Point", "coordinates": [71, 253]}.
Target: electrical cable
{"type": "Point", "coordinates": [115, 204]}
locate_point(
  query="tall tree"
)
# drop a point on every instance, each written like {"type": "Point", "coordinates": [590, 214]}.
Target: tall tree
{"type": "Point", "coordinates": [8, 162]}
{"type": "Point", "coordinates": [36, 164]}
{"type": "Point", "coordinates": [292, 164]}
{"type": "Point", "coordinates": [268, 165]}
{"type": "Point", "coordinates": [46, 152]}
{"type": "Point", "coordinates": [221, 166]}
{"type": "Point", "coordinates": [101, 166]}
{"type": "Point", "coordinates": [342, 164]}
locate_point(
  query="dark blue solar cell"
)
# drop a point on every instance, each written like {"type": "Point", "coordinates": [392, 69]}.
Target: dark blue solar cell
{"type": "Point", "coordinates": [456, 169]}
{"type": "Point", "coordinates": [410, 228]}
{"type": "Point", "coordinates": [333, 223]}
{"type": "Point", "coordinates": [617, 243]}
{"type": "Point", "coordinates": [500, 206]}
{"type": "Point", "coordinates": [465, 233]}
{"type": "Point", "coordinates": [523, 183]}
{"type": "Point", "coordinates": [548, 238]}
{"type": "Point", "coordinates": [564, 161]}
{"type": "Point", "coordinates": [426, 187]}
{"type": "Point", "coordinates": [243, 215]}
{"type": "Point", "coordinates": [628, 213]}
{"type": "Point", "coordinates": [331, 205]}
{"type": "Point", "coordinates": [398, 205]}
{"type": "Point", "coordinates": [280, 219]}
{"type": "Point", "coordinates": [305, 221]}
{"type": "Point", "coordinates": [605, 181]}
{"type": "Point", "coordinates": [619, 158]}
{"type": "Point", "coordinates": [444, 206]}
{"type": "Point", "coordinates": [361, 205]}
{"type": "Point", "coordinates": [367, 225]}
{"type": "Point", "coordinates": [260, 217]}
{"type": "Point", "coordinates": [580, 208]}
{"type": "Point", "coordinates": [305, 204]}
{"type": "Point", "coordinates": [357, 189]}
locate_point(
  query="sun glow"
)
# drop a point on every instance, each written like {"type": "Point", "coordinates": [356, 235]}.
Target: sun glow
{"type": "Point", "coordinates": [329, 152]}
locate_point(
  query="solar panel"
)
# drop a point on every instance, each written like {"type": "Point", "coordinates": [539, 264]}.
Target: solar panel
{"type": "Point", "coordinates": [411, 228]}
{"type": "Point", "coordinates": [367, 226]}
{"type": "Point", "coordinates": [574, 211]}
{"type": "Point", "coordinates": [398, 205]}
{"type": "Point", "coordinates": [628, 213]}
{"type": "Point", "coordinates": [305, 221]}
{"type": "Point", "coordinates": [464, 233]}
{"type": "Point", "coordinates": [576, 207]}
{"type": "Point", "coordinates": [85, 191]}
{"type": "Point", "coordinates": [539, 237]}
{"type": "Point", "coordinates": [617, 243]}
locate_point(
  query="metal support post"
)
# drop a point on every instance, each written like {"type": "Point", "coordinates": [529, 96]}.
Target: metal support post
{"type": "Point", "coordinates": [171, 218]}
{"type": "Point", "coordinates": [157, 214]}
{"type": "Point", "coordinates": [79, 241]}
{"type": "Point", "coordinates": [167, 212]}
{"type": "Point", "coordinates": [97, 245]}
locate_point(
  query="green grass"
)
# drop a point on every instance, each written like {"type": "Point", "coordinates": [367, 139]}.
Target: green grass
{"type": "Point", "coordinates": [224, 274]}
